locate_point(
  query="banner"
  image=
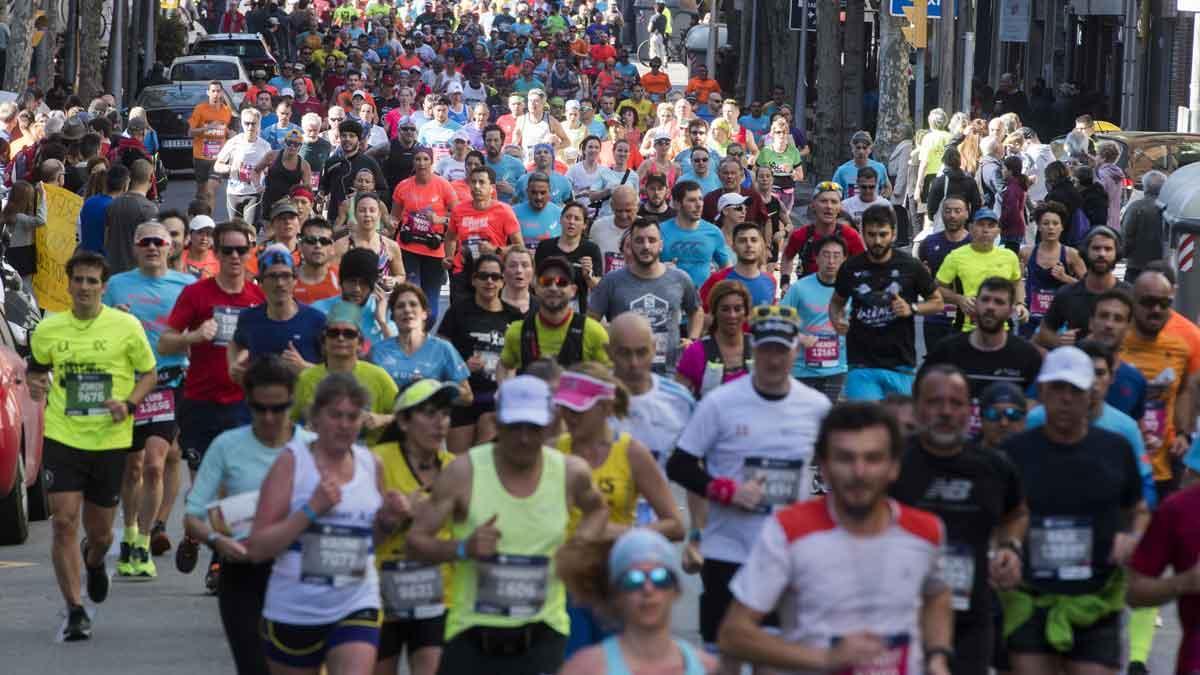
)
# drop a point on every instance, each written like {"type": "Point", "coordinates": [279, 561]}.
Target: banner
{"type": "Point", "coordinates": [55, 244]}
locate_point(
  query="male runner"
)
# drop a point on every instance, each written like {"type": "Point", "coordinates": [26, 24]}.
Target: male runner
{"type": "Point", "coordinates": [932, 251]}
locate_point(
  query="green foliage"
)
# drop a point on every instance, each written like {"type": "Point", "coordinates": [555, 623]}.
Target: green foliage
{"type": "Point", "coordinates": [172, 38]}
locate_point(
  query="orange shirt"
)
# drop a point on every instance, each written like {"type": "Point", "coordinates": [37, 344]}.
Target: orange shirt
{"type": "Point", "coordinates": [1179, 325]}
{"type": "Point", "coordinates": [208, 145]}
{"type": "Point", "coordinates": [1165, 362]}
{"type": "Point", "coordinates": [702, 88]}
{"type": "Point", "coordinates": [412, 206]}
{"type": "Point", "coordinates": [656, 83]}
{"type": "Point", "coordinates": [328, 287]}
{"type": "Point", "coordinates": [205, 267]}
{"type": "Point", "coordinates": [495, 225]}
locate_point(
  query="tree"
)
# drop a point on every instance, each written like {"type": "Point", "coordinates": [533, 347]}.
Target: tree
{"type": "Point", "coordinates": [828, 141]}
{"type": "Point", "coordinates": [895, 120]}
{"type": "Point", "coordinates": [90, 79]}
{"type": "Point", "coordinates": [20, 47]}
{"type": "Point", "coordinates": [49, 46]}
{"type": "Point", "coordinates": [855, 60]}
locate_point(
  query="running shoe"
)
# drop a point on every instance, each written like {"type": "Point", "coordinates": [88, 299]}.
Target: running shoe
{"type": "Point", "coordinates": [125, 560]}
{"type": "Point", "coordinates": [143, 565]}
{"type": "Point", "coordinates": [79, 626]}
{"type": "Point", "coordinates": [212, 577]}
{"type": "Point", "coordinates": [160, 543]}
{"type": "Point", "coordinates": [1137, 668]}
{"type": "Point", "coordinates": [97, 582]}
{"type": "Point", "coordinates": [187, 555]}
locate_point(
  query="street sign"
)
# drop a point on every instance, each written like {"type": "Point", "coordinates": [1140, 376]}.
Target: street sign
{"type": "Point", "coordinates": [934, 10]}
{"type": "Point", "coordinates": [915, 31]}
{"type": "Point", "coordinates": [794, 16]}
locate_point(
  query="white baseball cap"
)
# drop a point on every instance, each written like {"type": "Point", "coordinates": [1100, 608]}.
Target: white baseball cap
{"type": "Point", "coordinates": [730, 199]}
{"type": "Point", "coordinates": [454, 88]}
{"type": "Point", "coordinates": [1068, 364]}
{"type": "Point", "coordinates": [287, 91]}
{"type": "Point", "coordinates": [523, 399]}
{"type": "Point", "coordinates": [201, 222]}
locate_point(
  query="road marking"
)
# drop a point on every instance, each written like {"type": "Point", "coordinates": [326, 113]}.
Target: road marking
{"type": "Point", "coordinates": [11, 565]}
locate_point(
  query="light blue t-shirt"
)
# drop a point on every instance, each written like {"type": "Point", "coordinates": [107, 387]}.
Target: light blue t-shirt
{"type": "Point", "coordinates": [694, 251]}
{"type": "Point", "coordinates": [434, 135]}
{"type": "Point", "coordinates": [847, 176]}
{"type": "Point", "coordinates": [275, 134]}
{"type": "Point", "coordinates": [1119, 423]}
{"type": "Point", "coordinates": [509, 169]}
{"type": "Point", "coordinates": [366, 323]}
{"type": "Point", "coordinates": [436, 358]}
{"type": "Point", "coordinates": [235, 463]}
{"type": "Point", "coordinates": [707, 183]}
{"type": "Point", "coordinates": [561, 190]}
{"type": "Point", "coordinates": [810, 297]}
{"type": "Point", "coordinates": [538, 226]}
{"type": "Point", "coordinates": [150, 299]}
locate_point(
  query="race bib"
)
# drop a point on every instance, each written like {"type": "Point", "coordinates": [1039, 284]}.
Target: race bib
{"type": "Point", "coordinates": [975, 424]}
{"type": "Point", "coordinates": [825, 353]}
{"type": "Point", "coordinates": [333, 555]}
{"type": "Point", "coordinates": [661, 345]}
{"type": "Point", "coordinates": [86, 393]}
{"type": "Point", "coordinates": [158, 406]}
{"type": "Point", "coordinates": [226, 318]}
{"type": "Point", "coordinates": [511, 585]}
{"type": "Point", "coordinates": [818, 486]}
{"type": "Point", "coordinates": [411, 589]}
{"type": "Point", "coordinates": [246, 173]}
{"type": "Point", "coordinates": [422, 221]}
{"type": "Point", "coordinates": [613, 261]}
{"type": "Point", "coordinates": [1060, 548]}
{"type": "Point", "coordinates": [1040, 303]}
{"type": "Point", "coordinates": [781, 478]}
{"type": "Point", "coordinates": [1154, 419]}
{"type": "Point", "coordinates": [210, 149]}
{"type": "Point", "coordinates": [950, 312]}
{"type": "Point", "coordinates": [233, 516]}
{"type": "Point", "coordinates": [491, 361]}
{"type": "Point", "coordinates": [892, 661]}
{"type": "Point", "coordinates": [473, 246]}
{"type": "Point", "coordinates": [957, 570]}
{"type": "Point", "coordinates": [314, 180]}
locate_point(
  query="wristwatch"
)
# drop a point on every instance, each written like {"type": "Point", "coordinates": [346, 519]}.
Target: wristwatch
{"type": "Point", "coordinates": [130, 407]}
{"type": "Point", "coordinates": [931, 652]}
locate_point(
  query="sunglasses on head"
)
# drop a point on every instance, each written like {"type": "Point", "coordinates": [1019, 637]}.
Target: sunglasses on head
{"type": "Point", "coordinates": [233, 250]}
{"type": "Point", "coordinates": [489, 276]}
{"type": "Point", "coordinates": [635, 580]}
{"type": "Point", "coordinates": [768, 311]}
{"type": "Point", "coordinates": [1151, 302]}
{"type": "Point", "coordinates": [313, 240]}
{"type": "Point", "coordinates": [157, 242]}
{"type": "Point", "coordinates": [554, 280]}
{"type": "Point", "coordinates": [1013, 414]}
{"type": "Point", "coordinates": [269, 407]}
{"type": "Point", "coordinates": [343, 333]}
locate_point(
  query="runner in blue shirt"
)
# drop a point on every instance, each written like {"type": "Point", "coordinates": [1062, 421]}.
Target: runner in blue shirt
{"type": "Point", "coordinates": [537, 216]}
{"type": "Point", "coordinates": [691, 243]}
{"type": "Point", "coordinates": [822, 366]}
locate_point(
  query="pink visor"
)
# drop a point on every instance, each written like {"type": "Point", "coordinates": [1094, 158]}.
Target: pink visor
{"type": "Point", "coordinates": [580, 392]}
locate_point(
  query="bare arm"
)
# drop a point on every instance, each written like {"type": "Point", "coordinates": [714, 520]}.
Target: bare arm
{"type": "Point", "coordinates": [447, 499]}
{"type": "Point", "coordinates": [274, 528]}
{"type": "Point", "coordinates": [584, 496]}
{"type": "Point", "coordinates": [696, 324]}
{"type": "Point", "coordinates": [742, 636]}
{"type": "Point", "coordinates": [931, 305]}
{"type": "Point", "coordinates": [937, 628]}
{"type": "Point", "coordinates": [837, 313]}
{"type": "Point", "coordinates": [652, 485]}
{"type": "Point", "coordinates": [1147, 591]}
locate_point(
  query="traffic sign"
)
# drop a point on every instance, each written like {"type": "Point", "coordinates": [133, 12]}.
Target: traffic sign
{"type": "Point", "coordinates": [915, 31]}
{"type": "Point", "coordinates": [795, 16]}
{"type": "Point", "coordinates": [933, 11]}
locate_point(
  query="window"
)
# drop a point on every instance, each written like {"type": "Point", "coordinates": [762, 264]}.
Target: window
{"type": "Point", "coordinates": [203, 71]}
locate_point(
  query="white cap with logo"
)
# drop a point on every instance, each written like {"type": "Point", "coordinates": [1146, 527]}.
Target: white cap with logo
{"type": "Point", "coordinates": [1068, 364]}
{"type": "Point", "coordinates": [524, 399]}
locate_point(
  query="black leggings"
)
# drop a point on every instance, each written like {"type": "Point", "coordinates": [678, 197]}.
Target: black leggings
{"type": "Point", "coordinates": [241, 589]}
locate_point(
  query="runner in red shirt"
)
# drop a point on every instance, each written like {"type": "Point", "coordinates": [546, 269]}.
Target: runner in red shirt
{"type": "Point", "coordinates": [481, 225]}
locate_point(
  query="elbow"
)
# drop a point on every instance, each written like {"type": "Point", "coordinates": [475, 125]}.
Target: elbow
{"type": "Point", "coordinates": [733, 637]}
{"type": "Point", "coordinates": [257, 551]}
{"type": "Point", "coordinates": [672, 528]}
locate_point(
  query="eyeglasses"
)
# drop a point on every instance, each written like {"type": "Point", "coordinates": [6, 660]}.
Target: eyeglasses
{"type": "Point", "coordinates": [156, 242]}
{"type": "Point", "coordinates": [292, 144]}
{"type": "Point", "coordinates": [316, 241]}
{"type": "Point", "coordinates": [866, 186]}
{"type": "Point", "coordinates": [279, 277]}
{"type": "Point", "coordinates": [1150, 302]}
{"type": "Point", "coordinates": [489, 276]}
{"type": "Point", "coordinates": [1013, 414]}
{"type": "Point", "coordinates": [635, 580]}
{"type": "Point", "coordinates": [554, 280]}
{"type": "Point", "coordinates": [342, 333]}
{"type": "Point", "coordinates": [233, 250]}
{"type": "Point", "coordinates": [275, 408]}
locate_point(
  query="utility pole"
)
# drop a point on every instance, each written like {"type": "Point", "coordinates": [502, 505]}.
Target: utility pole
{"type": "Point", "coordinates": [947, 36]}
{"type": "Point", "coordinates": [916, 34]}
{"type": "Point", "coordinates": [714, 27]}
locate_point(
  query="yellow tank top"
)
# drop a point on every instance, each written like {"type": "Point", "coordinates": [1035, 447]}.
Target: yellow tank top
{"type": "Point", "coordinates": [614, 480]}
{"type": "Point", "coordinates": [399, 476]}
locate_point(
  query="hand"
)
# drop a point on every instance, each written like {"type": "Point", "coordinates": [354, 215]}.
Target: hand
{"type": "Point", "coordinates": [373, 421]}
{"type": "Point", "coordinates": [117, 409]}
{"type": "Point", "coordinates": [692, 560]}
{"type": "Point", "coordinates": [205, 332]}
{"type": "Point", "coordinates": [1059, 271]}
{"type": "Point", "coordinates": [396, 507]}
{"type": "Point", "coordinates": [238, 368]}
{"type": "Point", "coordinates": [967, 305]}
{"type": "Point", "coordinates": [938, 665]}
{"type": "Point", "coordinates": [326, 495]}
{"type": "Point", "coordinates": [585, 264]}
{"type": "Point", "coordinates": [1005, 569]}
{"type": "Point", "coordinates": [1022, 313]}
{"type": "Point", "coordinates": [448, 263]}
{"type": "Point", "coordinates": [901, 307]}
{"type": "Point", "coordinates": [807, 340]}
{"type": "Point", "coordinates": [1179, 446]}
{"type": "Point", "coordinates": [840, 325]}
{"type": "Point", "coordinates": [1122, 548]}
{"type": "Point", "coordinates": [853, 649]}
{"type": "Point", "coordinates": [292, 357]}
{"type": "Point", "coordinates": [1068, 337]}
{"type": "Point", "coordinates": [38, 385]}
{"type": "Point", "coordinates": [749, 494]}
{"type": "Point", "coordinates": [482, 542]}
{"type": "Point", "coordinates": [685, 342]}
{"type": "Point", "coordinates": [229, 549]}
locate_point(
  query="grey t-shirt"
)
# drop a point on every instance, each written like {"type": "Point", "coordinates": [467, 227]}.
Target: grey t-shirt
{"type": "Point", "coordinates": [123, 216]}
{"type": "Point", "coordinates": [661, 300]}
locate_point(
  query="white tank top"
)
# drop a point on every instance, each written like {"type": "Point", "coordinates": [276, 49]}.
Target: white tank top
{"type": "Point", "coordinates": [533, 132]}
{"type": "Point", "coordinates": [329, 571]}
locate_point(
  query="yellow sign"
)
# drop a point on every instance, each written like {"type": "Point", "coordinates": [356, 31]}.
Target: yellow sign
{"type": "Point", "coordinates": [55, 244]}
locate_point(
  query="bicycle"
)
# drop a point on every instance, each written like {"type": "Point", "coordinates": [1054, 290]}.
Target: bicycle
{"type": "Point", "coordinates": [675, 43]}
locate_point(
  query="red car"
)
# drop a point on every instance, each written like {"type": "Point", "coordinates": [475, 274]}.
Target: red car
{"type": "Point", "coordinates": [22, 481]}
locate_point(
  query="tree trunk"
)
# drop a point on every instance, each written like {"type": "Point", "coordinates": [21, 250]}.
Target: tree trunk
{"type": "Point", "coordinates": [828, 142]}
{"type": "Point", "coordinates": [90, 82]}
{"type": "Point", "coordinates": [49, 46]}
{"type": "Point", "coordinates": [947, 39]}
{"type": "Point", "coordinates": [853, 69]}
{"type": "Point", "coordinates": [895, 120]}
{"type": "Point", "coordinates": [20, 46]}
{"type": "Point", "coordinates": [777, 63]}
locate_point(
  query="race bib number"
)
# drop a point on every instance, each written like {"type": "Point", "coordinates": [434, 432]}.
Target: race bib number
{"type": "Point", "coordinates": [950, 312]}
{"type": "Point", "coordinates": [314, 180]}
{"type": "Point", "coordinates": [1040, 303]}
{"type": "Point", "coordinates": [422, 221]}
{"type": "Point", "coordinates": [1154, 420]}
{"type": "Point", "coordinates": [226, 318]}
{"type": "Point", "coordinates": [332, 555]}
{"type": "Point", "coordinates": [158, 406]}
{"type": "Point", "coordinates": [210, 149]}
{"type": "Point", "coordinates": [473, 246]}
{"type": "Point", "coordinates": [1060, 548]}
{"type": "Point", "coordinates": [661, 345]}
{"type": "Point", "coordinates": [246, 173]}
{"type": "Point", "coordinates": [826, 353]}
{"type": "Point", "coordinates": [957, 570]}
{"type": "Point", "coordinates": [892, 661]}
{"type": "Point", "coordinates": [86, 393]}
{"type": "Point", "coordinates": [613, 261]}
{"type": "Point", "coordinates": [511, 585]}
{"type": "Point", "coordinates": [781, 480]}
{"type": "Point", "coordinates": [234, 515]}
{"type": "Point", "coordinates": [411, 590]}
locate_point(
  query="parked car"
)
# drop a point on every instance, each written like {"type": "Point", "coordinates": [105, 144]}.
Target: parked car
{"type": "Point", "coordinates": [1143, 151]}
{"type": "Point", "coordinates": [249, 47]}
{"type": "Point", "coordinates": [208, 67]}
{"type": "Point", "coordinates": [168, 107]}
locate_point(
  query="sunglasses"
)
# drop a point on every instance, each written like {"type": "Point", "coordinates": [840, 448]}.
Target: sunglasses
{"type": "Point", "coordinates": [279, 277]}
{"type": "Point", "coordinates": [768, 311]}
{"type": "Point", "coordinates": [343, 333]}
{"type": "Point", "coordinates": [635, 580]}
{"type": "Point", "coordinates": [314, 241]}
{"type": "Point", "coordinates": [737, 154]}
{"type": "Point", "coordinates": [156, 242]}
{"type": "Point", "coordinates": [1152, 302]}
{"type": "Point", "coordinates": [1010, 414]}
{"type": "Point", "coordinates": [269, 407]}
{"type": "Point", "coordinates": [867, 186]}
{"type": "Point", "coordinates": [489, 276]}
{"type": "Point", "coordinates": [234, 250]}
{"type": "Point", "coordinates": [554, 280]}
{"type": "Point", "coordinates": [292, 144]}
{"type": "Point", "coordinates": [828, 186]}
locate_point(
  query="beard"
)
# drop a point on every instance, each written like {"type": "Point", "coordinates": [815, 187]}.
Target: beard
{"type": "Point", "coordinates": [1099, 266]}
{"type": "Point", "coordinates": [878, 252]}
{"type": "Point", "coordinates": [989, 324]}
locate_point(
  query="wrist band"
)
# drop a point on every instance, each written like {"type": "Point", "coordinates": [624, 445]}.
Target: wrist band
{"type": "Point", "coordinates": [461, 550]}
{"type": "Point", "coordinates": [309, 513]}
{"type": "Point", "coordinates": [721, 490]}
{"type": "Point", "coordinates": [694, 535]}
{"type": "Point", "coordinates": [212, 538]}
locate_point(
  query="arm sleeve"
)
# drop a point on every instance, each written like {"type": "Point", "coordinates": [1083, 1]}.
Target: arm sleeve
{"type": "Point", "coordinates": [685, 469]}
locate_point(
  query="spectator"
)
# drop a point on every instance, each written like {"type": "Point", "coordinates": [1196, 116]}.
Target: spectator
{"type": "Point", "coordinates": [1142, 227]}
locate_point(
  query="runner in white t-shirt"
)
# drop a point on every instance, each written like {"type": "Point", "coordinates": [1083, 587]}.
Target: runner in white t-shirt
{"type": "Point", "coordinates": [755, 436]}
{"type": "Point", "coordinates": [239, 158]}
